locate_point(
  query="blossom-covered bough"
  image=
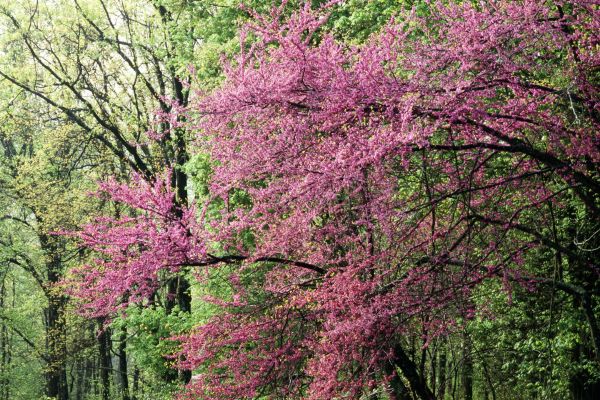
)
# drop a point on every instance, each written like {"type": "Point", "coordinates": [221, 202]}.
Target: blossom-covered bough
{"type": "Point", "coordinates": [384, 183]}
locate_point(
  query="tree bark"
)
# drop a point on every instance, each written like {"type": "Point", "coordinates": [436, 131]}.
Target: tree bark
{"type": "Point", "coordinates": [56, 370]}
{"type": "Point", "coordinates": [136, 383]}
{"type": "Point", "coordinates": [397, 388]}
{"type": "Point", "coordinates": [5, 347]}
{"type": "Point", "coordinates": [105, 362]}
{"type": "Point", "coordinates": [410, 372]}
{"type": "Point", "coordinates": [433, 371]}
{"type": "Point", "coordinates": [467, 370]}
{"type": "Point", "coordinates": [123, 363]}
{"type": "Point", "coordinates": [442, 372]}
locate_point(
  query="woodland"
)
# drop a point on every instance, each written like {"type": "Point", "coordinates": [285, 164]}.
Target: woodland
{"type": "Point", "coordinates": [299, 199]}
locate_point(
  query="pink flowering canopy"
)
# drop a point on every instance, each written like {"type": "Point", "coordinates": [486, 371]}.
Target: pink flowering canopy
{"type": "Point", "coordinates": [384, 183]}
{"type": "Point", "coordinates": [132, 251]}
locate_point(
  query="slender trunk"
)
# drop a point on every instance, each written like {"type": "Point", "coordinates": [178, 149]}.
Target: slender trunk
{"type": "Point", "coordinates": [178, 294]}
{"type": "Point", "coordinates": [56, 348]}
{"type": "Point", "coordinates": [442, 373]}
{"type": "Point", "coordinates": [184, 299]}
{"type": "Point", "coordinates": [105, 363]}
{"type": "Point", "coordinates": [182, 292]}
{"type": "Point", "coordinates": [56, 372]}
{"type": "Point", "coordinates": [422, 362]}
{"type": "Point", "coordinates": [79, 380]}
{"type": "Point", "coordinates": [467, 370]}
{"type": "Point", "coordinates": [454, 370]}
{"type": "Point", "coordinates": [89, 377]}
{"type": "Point", "coordinates": [178, 288]}
{"type": "Point", "coordinates": [488, 379]}
{"type": "Point", "coordinates": [433, 369]}
{"type": "Point", "coordinates": [123, 363]}
{"type": "Point", "coordinates": [171, 374]}
{"type": "Point", "coordinates": [136, 383]}
{"type": "Point", "coordinates": [90, 368]}
{"type": "Point", "coordinates": [4, 348]}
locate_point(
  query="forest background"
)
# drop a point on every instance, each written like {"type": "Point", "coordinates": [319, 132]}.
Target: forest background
{"type": "Point", "coordinates": [371, 199]}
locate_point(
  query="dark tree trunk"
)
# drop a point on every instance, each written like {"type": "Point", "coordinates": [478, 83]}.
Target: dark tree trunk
{"type": "Point", "coordinates": [178, 294]}
{"type": "Point", "coordinates": [5, 347]}
{"type": "Point", "coordinates": [398, 390]}
{"type": "Point", "coordinates": [56, 348]}
{"type": "Point", "coordinates": [178, 288]}
{"type": "Point", "coordinates": [136, 383]}
{"type": "Point", "coordinates": [411, 373]}
{"type": "Point", "coordinates": [467, 370]}
{"type": "Point", "coordinates": [422, 362]}
{"type": "Point", "coordinates": [56, 375]}
{"type": "Point", "coordinates": [171, 374]}
{"type": "Point", "coordinates": [433, 371]}
{"type": "Point", "coordinates": [123, 364]}
{"type": "Point", "coordinates": [442, 372]}
{"type": "Point", "coordinates": [488, 379]}
{"type": "Point", "coordinates": [184, 299]}
{"type": "Point", "coordinates": [104, 347]}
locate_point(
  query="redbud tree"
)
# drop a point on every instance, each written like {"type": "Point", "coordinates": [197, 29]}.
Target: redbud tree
{"type": "Point", "coordinates": [383, 184]}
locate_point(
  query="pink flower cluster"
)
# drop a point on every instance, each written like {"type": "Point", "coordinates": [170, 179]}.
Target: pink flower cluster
{"type": "Point", "coordinates": [132, 250]}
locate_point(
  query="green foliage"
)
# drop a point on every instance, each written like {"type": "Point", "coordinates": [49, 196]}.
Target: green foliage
{"type": "Point", "coordinates": [355, 20]}
{"type": "Point", "coordinates": [149, 330]}
{"type": "Point", "coordinates": [530, 344]}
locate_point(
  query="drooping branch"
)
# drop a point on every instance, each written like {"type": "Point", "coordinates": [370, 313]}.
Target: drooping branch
{"type": "Point", "coordinates": [228, 259]}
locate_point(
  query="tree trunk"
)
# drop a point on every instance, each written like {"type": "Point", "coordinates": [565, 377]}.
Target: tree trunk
{"type": "Point", "coordinates": [56, 349]}
{"type": "Point", "coordinates": [5, 348]}
{"type": "Point", "coordinates": [79, 380]}
{"type": "Point", "coordinates": [178, 294]}
{"type": "Point", "coordinates": [467, 370]}
{"type": "Point", "coordinates": [397, 388]}
{"type": "Point", "coordinates": [410, 372]}
{"type": "Point", "coordinates": [488, 379]}
{"type": "Point", "coordinates": [104, 347]}
{"type": "Point", "coordinates": [181, 291]}
{"type": "Point", "coordinates": [442, 372]}
{"type": "Point", "coordinates": [433, 369]}
{"type": "Point", "coordinates": [136, 383]}
{"type": "Point", "coordinates": [56, 372]}
{"type": "Point", "coordinates": [123, 363]}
